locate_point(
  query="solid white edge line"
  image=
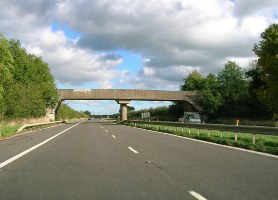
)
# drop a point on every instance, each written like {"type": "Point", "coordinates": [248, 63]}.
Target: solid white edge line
{"type": "Point", "coordinates": [113, 136]}
{"type": "Point", "coordinates": [34, 147]}
{"type": "Point", "coordinates": [197, 196]}
{"type": "Point", "coordinates": [215, 144]}
{"type": "Point", "coordinates": [131, 149]}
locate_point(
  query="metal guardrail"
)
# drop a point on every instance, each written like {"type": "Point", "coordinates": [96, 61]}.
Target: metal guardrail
{"type": "Point", "coordinates": [38, 124]}
{"type": "Point", "coordinates": [219, 127]}
{"type": "Point", "coordinates": [232, 128]}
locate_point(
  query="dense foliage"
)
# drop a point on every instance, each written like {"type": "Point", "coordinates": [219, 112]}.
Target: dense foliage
{"type": "Point", "coordinates": [235, 92]}
{"type": "Point", "coordinates": [222, 94]}
{"type": "Point", "coordinates": [27, 87]}
{"type": "Point", "coordinates": [162, 113]}
{"type": "Point", "coordinates": [266, 71]}
{"type": "Point", "coordinates": [88, 113]}
{"type": "Point", "coordinates": [229, 93]}
{"type": "Point", "coordinates": [65, 112]}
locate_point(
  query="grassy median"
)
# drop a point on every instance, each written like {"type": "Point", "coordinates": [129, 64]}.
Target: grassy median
{"type": "Point", "coordinates": [264, 143]}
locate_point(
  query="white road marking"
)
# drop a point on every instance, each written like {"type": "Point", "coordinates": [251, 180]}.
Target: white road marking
{"type": "Point", "coordinates": [113, 136]}
{"type": "Point", "coordinates": [131, 149]}
{"type": "Point", "coordinates": [106, 131]}
{"type": "Point", "coordinates": [197, 196]}
{"type": "Point", "coordinates": [34, 147]}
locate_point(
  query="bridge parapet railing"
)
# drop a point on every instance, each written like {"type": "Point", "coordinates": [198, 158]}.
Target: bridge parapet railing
{"type": "Point", "coordinates": [262, 130]}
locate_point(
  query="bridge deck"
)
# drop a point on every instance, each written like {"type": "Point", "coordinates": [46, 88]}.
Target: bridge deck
{"type": "Point", "coordinates": [125, 94]}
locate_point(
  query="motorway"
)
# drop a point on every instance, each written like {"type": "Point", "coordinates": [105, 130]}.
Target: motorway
{"type": "Point", "coordinates": [98, 160]}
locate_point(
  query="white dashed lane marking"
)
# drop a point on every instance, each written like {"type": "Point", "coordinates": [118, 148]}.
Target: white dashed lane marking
{"type": "Point", "coordinates": [197, 196]}
{"type": "Point", "coordinates": [131, 149]}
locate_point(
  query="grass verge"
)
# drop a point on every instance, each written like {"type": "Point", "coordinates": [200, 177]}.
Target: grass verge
{"type": "Point", "coordinates": [264, 143]}
{"type": "Point", "coordinates": [10, 130]}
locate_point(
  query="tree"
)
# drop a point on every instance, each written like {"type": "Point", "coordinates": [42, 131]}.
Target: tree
{"type": "Point", "coordinates": [267, 51]}
{"type": "Point", "coordinates": [6, 68]}
{"type": "Point", "coordinates": [211, 101]}
{"type": "Point", "coordinates": [130, 108]}
{"type": "Point", "coordinates": [66, 112]}
{"type": "Point", "coordinates": [2, 106]}
{"type": "Point", "coordinates": [256, 77]}
{"type": "Point", "coordinates": [32, 70]}
{"type": "Point", "coordinates": [256, 83]}
{"type": "Point", "coordinates": [87, 113]}
{"type": "Point", "coordinates": [208, 86]}
{"type": "Point", "coordinates": [233, 87]}
{"type": "Point", "coordinates": [27, 87]}
{"type": "Point", "coordinates": [194, 81]}
{"type": "Point", "coordinates": [211, 98]}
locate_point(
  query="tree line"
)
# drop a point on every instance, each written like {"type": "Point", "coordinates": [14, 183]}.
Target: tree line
{"type": "Point", "coordinates": [27, 87]}
{"type": "Point", "coordinates": [66, 112]}
{"type": "Point", "coordinates": [238, 92]}
{"type": "Point", "coordinates": [235, 91]}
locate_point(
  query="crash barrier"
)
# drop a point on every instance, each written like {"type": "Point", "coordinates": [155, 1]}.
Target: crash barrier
{"type": "Point", "coordinates": [219, 127]}
{"type": "Point", "coordinates": [38, 124]}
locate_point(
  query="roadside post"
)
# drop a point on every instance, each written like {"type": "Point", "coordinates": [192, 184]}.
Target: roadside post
{"type": "Point", "coordinates": [237, 122]}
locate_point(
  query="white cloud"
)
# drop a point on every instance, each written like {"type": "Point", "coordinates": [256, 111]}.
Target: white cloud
{"type": "Point", "coordinates": [73, 65]}
{"type": "Point", "coordinates": [244, 8]}
{"type": "Point", "coordinates": [171, 36]}
{"type": "Point", "coordinates": [171, 33]}
{"type": "Point", "coordinates": [158, 78]}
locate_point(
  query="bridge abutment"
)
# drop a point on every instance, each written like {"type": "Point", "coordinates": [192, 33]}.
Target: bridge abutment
{"type": "Point", "coordinates": [50, 114]}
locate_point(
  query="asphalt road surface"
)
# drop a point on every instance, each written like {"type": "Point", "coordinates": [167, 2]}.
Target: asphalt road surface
{"type": "Point", "coordinates": [97, 160]}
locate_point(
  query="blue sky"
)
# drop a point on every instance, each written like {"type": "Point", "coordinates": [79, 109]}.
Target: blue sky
{"type": "Point", "coordinates": [135, 44]}
{"type": "Point", "coordinates": [69, 33]}
{"type": "Point", "coordinates": [132, 63]}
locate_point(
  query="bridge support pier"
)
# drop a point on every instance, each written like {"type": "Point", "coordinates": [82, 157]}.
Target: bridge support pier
{"type": "Point", "coordinates": [123, 109]}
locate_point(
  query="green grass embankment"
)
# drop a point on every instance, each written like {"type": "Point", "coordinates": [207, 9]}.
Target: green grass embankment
{"type": "Point", "coordinates": [264, 143]}
{"type": "Point", "coordinates": [8, 130]}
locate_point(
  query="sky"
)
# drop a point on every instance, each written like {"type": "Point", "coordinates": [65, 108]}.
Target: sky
{"type": "Point", "coordinates": [135, 44]}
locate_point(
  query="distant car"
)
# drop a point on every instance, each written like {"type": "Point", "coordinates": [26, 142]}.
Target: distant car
{"type": "Point", "coordinates": [192, 117]}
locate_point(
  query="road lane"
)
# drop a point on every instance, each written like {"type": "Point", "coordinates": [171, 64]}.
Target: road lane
{"type": "Point", "coordinates": [15, 145]}
{"type": "Point", "coordinates": [87, 162]}
{"type": "Point", "coordinates": [18, 156]}
{"type": "Point", "coordinates": [220, 173]}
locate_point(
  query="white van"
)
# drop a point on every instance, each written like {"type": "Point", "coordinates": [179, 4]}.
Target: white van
{"type": "Point", "coordinates": [192, 117]}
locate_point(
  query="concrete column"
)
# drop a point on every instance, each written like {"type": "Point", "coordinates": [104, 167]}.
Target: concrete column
{"type": "Point", "coordinates": [123, 109]}
{"type": "Point", "coordinates": [123, 112]}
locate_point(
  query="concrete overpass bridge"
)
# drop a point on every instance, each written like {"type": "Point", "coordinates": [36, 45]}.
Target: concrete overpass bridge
{"type": "Point", "coordinates": [124, 96]}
